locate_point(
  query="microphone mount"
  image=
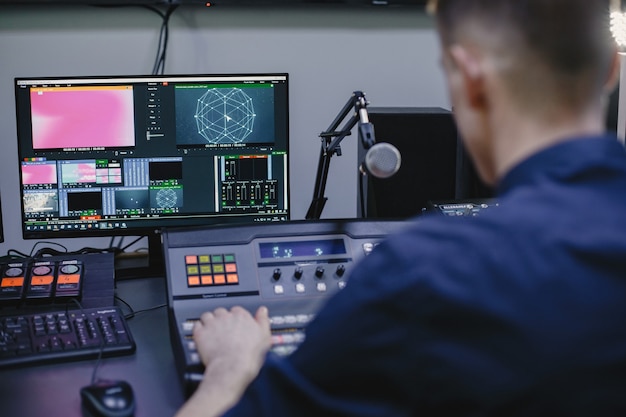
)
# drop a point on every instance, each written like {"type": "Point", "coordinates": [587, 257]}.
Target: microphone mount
{"type": "Point", "coordinates": [331, 145]}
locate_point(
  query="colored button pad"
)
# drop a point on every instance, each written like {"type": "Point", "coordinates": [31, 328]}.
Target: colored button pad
{"type": "Point", "coordinates": [211, 270]}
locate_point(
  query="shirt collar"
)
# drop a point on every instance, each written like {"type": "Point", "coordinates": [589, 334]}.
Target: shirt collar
{"type": "Point", "coordinates": [563, 159]}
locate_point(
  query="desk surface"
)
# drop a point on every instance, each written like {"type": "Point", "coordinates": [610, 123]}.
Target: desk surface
{"type": "Point", "coordinates": [54, 390]}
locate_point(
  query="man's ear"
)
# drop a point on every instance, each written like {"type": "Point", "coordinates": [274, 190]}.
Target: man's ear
{"type": "Point", "coordinates": [471, 72]}
{"type": "Point", "coordinates": [614, 73]}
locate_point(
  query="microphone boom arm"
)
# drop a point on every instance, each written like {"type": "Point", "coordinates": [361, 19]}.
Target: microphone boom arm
{"type": "Point", "coordinates": [332, 146]}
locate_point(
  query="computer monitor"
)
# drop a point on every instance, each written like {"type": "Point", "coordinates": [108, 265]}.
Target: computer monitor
{"type": "Point", "coordinates": [129, 155]}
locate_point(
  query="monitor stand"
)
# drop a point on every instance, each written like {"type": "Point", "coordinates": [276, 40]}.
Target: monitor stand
{"type": "Point", "coordinates": [148, 264]}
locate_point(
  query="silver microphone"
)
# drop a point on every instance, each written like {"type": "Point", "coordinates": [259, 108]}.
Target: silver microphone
{"type": "Point", "coordinates": [382, 160]}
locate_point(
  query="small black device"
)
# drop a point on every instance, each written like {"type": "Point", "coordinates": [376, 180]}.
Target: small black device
{"type": "Point", "coordinates": [468, 207]}
{"type": "Point", "coordinates": [108, 398]}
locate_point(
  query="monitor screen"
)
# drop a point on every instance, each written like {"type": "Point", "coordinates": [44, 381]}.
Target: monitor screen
{"type": "Point", "coordinates": [106, 156]}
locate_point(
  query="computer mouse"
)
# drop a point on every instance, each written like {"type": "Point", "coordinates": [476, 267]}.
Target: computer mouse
{"type": "Point", "coordinates": [108, 398]}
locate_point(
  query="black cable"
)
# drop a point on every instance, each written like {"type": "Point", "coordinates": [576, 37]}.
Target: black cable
{"type": "Point", "coordinates": [17, 254]}
{"type": "Point", "coordinates": [134, 312]}
{"type": "Point", "coordinates": [123, 249]}
{"type": "Point", "coordinates": [14, 254]}
{"type": "Point", "coordinates": [145, 310]}
{"type": "Point", "coordinates": [159, 61]}
{"type": "Point", "coordinates": [111, 245]}
{"type": "Point", "coordinates": [44, 249]}
{"type": "Point", "coordinates": [362, 195]}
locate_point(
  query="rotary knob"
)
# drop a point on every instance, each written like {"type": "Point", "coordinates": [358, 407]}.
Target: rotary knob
{"type": "Point", "coordinates": [298, 272]}
{"type": "Point", "coordinates": [276, 274]}
{"type": "Point", "coordinates": [319, 271]}
{"type": "Point", "coordinates": [341, 269]}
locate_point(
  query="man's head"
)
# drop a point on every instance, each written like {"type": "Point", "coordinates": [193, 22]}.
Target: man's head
{"type": "Point", "coordinates": [548, 61]}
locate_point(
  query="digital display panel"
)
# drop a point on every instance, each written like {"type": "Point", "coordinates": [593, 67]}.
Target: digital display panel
{"type": "Point", "coordinates": [303, 248]}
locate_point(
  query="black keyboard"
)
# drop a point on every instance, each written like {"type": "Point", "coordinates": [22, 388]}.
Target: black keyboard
{"type": "Point", "coordinates": [63, 335]}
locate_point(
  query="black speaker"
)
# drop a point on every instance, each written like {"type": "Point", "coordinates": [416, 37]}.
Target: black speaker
{"type": "Point", "coordinates": [434, 165]}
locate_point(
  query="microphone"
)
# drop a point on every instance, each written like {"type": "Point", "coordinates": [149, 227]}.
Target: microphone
{"type": "Point", "coordinates": [382, 160]}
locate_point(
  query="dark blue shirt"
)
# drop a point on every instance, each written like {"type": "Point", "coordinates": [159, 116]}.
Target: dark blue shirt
{"type": "Point", "coordinates": [519, 311]}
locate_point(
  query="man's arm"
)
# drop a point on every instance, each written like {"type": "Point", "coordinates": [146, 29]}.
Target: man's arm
{"type": "Point", "coordinates": [232, 345]}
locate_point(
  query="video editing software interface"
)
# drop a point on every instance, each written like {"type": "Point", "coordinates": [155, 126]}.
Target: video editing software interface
{"type": "Point", "coordinates": [119, 155]}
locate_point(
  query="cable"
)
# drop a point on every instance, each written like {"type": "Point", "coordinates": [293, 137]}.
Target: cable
{"type": "Point", "coordinates": [145, 310]}
{"type": "Point", "coordinates": [362, 180]}
{"type": "Point", "coordinates": [133, 313]}
{"type": "Point", "coordinates": [14, 254]}
{"type": "Point", "coordinates": [159, 61]}
{"type": "Point", "coordinates": [111, 245]}
{"type": "Point", "coordinates": [45, 249]}
{"type": "Point", "coordinates": [123, 249]}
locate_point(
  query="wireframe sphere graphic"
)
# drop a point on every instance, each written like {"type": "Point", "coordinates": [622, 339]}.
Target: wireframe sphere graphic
{"type": "Point", "coordinates": [225, 115]}
{"type": "Point", "coordinates": [166, 198]}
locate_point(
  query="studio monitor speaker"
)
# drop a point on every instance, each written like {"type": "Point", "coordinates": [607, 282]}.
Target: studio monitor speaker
{"type": "Point", "coordinates": [434, 166]}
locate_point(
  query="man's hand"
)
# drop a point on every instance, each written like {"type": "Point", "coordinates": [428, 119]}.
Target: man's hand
{"type": "Point", "coordinates": [232, 345]}
{"type": "Point", "coordinates": [234, 339]}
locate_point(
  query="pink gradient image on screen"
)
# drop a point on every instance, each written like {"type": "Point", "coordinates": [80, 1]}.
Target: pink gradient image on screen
{"type": "Point", "coordinates": [79, 172]}
{"type": "Point", "coordinates": [36, 173]}
{"type": "Point", "coordinates": [80, 117]}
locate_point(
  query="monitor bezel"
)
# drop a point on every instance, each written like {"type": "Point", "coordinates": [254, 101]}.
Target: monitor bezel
{"type": "Point", "coordinates": [152, 229]}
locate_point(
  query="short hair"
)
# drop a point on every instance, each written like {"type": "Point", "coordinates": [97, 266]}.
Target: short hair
{"type": "Point", "coordinates": [570, 39]}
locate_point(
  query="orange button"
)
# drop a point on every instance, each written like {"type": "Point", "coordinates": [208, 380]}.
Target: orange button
{"type": "Point", "coordinates": [12, 282]}
{"type": "Point", "coordinates": [191, 259]}
{"type": "Point", "coordinates": [231, 267]}
{"type": "Point", "coordinates": [207, 280]}
{"type": "Point", "coordinates": [193, 281]}
{"type": "Point", "coordinates": [68, 279]}
{"type": "Point", "coordinates": [42, 280]}
{"type": "Point", "coordinates": [219, 279]}
{"type": "Point", "coordinates": [232, 278]}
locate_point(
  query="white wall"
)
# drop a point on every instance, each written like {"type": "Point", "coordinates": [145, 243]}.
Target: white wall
{"type": "Point", "coordinates": [329, 52]}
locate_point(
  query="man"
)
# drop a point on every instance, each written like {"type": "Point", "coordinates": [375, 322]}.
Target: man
{"type": "Point", "coordinates": [519, 311]}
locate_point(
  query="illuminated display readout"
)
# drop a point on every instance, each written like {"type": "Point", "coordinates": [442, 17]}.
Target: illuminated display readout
{"type": "Point", "coordinates": [307, 248]}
